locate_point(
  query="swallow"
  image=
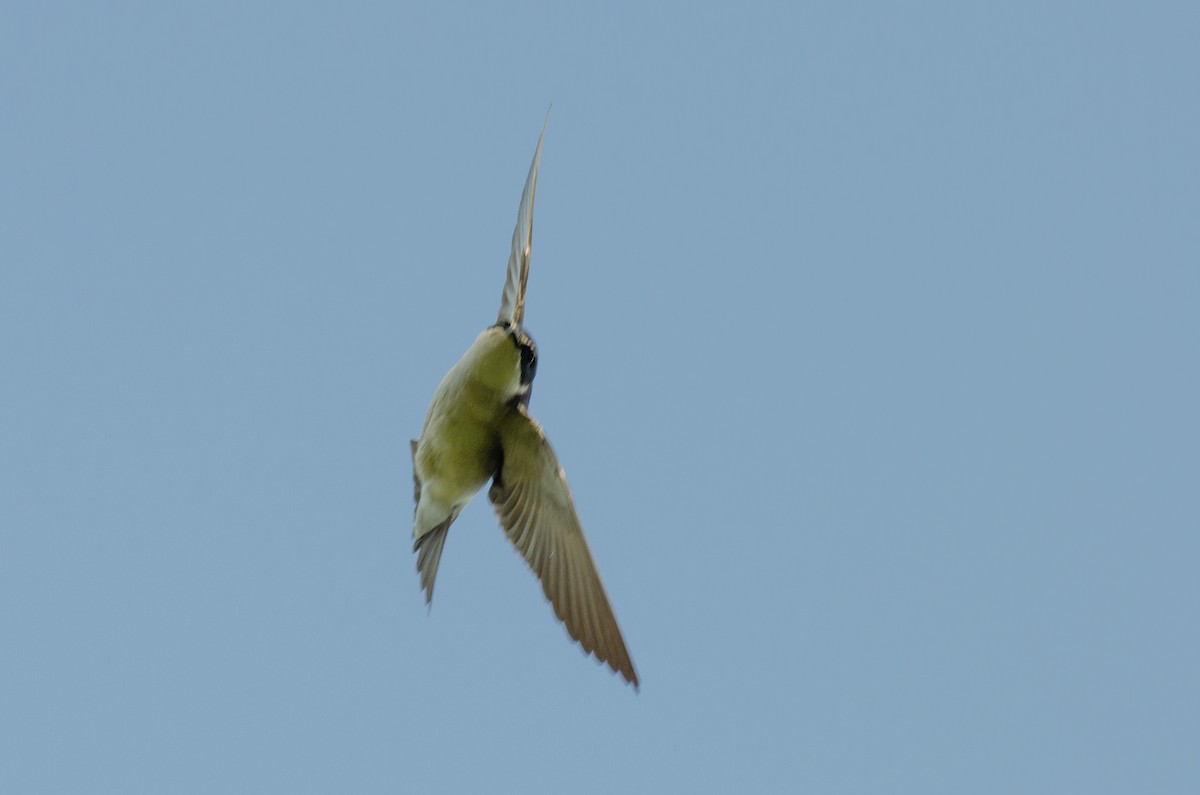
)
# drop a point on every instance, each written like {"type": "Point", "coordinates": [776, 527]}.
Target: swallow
{"type": "Point", "coordinates": [478, 428]}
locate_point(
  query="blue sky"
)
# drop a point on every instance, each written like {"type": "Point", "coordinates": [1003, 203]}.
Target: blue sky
{"type": "Point", "coordinates": [868, 341]}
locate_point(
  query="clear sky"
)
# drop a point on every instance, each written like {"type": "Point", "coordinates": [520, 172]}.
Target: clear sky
{"type": "Point", "coordinates": [869, 343]}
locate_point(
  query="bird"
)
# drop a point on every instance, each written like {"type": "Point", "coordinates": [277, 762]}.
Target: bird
{"type": "Point", "coordinates": [479, 428]}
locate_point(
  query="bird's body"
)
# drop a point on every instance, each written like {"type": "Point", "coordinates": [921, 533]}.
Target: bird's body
{"type": "Point", "coordinates": [478, 428]}
{"type": "Point", "coordinates": [459, 449]}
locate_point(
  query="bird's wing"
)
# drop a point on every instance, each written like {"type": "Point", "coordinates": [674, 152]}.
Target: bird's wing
{"type": "Point", "coordinates": [531, 498]}
{"type": "Point", "coordinates": [512, 300]}
{"type": "Point", "coordinates": [416, 480]}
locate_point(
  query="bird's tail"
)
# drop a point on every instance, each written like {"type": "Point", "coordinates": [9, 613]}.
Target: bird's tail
{"type": "Point", "coordinates": [429, 552]}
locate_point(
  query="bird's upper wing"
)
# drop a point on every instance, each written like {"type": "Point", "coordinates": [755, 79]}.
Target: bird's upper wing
{"type": "Point", "coordinates": [512, 300]}
{"type": "Point", "coordinates": [531, 498]}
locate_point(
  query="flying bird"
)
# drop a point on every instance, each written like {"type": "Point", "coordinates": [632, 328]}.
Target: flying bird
{"type": "Point", "coordinates": [478, 428]}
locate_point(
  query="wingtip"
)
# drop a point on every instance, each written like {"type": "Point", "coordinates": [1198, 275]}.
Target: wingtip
{"type": "Point", "coordinates": [622, 668]}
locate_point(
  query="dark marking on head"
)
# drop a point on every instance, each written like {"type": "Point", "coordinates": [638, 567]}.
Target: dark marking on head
{"type": "Point", "coordinates": [528, 350]}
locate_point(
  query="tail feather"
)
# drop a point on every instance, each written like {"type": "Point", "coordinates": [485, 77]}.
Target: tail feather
{"type": "Point", "coordinates": [429, 552]}
{"type": "Point", "coordinates": [429, 545]}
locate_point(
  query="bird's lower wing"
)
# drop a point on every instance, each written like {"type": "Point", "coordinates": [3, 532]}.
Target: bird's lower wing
{"type": "Point", "coordinates": [535, 508]}
{"type": "Point", "coordinates": [416, 480]}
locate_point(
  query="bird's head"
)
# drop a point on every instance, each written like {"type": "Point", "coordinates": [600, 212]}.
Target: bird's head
{"type": "Point", "coordinates": [507, 361]}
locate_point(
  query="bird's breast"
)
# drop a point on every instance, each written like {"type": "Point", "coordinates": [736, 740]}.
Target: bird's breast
{"type": "Point", "coordinates": [459, 447]}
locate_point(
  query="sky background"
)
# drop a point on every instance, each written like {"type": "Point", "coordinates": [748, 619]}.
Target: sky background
{"type": "Point", "coordinates": [869, 339]}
